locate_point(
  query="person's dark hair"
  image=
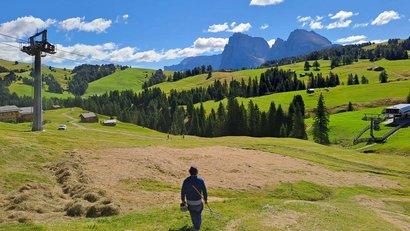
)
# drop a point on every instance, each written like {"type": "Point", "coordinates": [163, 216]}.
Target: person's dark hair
{"type": "Point", "coordinates": [193, 170]}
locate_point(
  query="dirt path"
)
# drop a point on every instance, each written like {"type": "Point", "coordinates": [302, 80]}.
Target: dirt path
{"type": "Point", "coordinates": [124, 172]}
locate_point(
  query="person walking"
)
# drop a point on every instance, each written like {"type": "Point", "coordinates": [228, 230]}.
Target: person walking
{"type": "Point", "coordinates": [192, 191]}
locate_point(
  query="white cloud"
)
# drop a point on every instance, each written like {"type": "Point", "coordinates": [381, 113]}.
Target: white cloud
{"type": "Point", "coordinates": [339, 24]}
{"type": "Point", "coordinates": [304, 20]}
{"type": "Point", "coordinates": [23, 26]}
{"type": "Point", "coordinates": [243, 27]}
{"type": "Point", "coordinates": [359, 25]}
{"type": "Point", "coordinates": [271, 42]}
{"type": "Point", "coordinates": [351, 39]}
{"type": "Point", "coordinates": [98, 25]}
{"type": "Point", "coordinates": [341, 15]}
{"type": "Point", "coordinates": [264, 2]}
{"type": "Point", "coordinates": [233, 27]}
{"type": "Point", "coordinates": [386, 17]}
{"type": "Point", "coordinates": [218, 28]}
{"type": "Point", "coordinates": [113, 53]}
{"type": "Point", "coordinates": [125, 17]}
{"type": "Point", "coordinates": [341, 18]}
{"type": "Point", "coordinates": [314, 23]}
{"type": "Point", "coordinates": [264, 27]}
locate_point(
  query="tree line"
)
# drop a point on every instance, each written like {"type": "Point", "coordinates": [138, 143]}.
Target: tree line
{"type": "Point", "coordinates": [395, 49]}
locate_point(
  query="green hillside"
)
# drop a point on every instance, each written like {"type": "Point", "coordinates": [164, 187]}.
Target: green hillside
{"type": "Point", "coordinates": [128, 79]}
{"type": "Point", "coordinates": [397, 69]}
{"type": "Point", "coordinates": [368, 95]}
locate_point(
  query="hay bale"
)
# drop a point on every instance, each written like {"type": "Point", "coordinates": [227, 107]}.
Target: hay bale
{"type": "Point", "coordinates": [92, 212]}
{"type": "Point", "coordinates": [90, 197]}
{"type": "Point", "coordinates": [75, 209]}
{"type": "Point", "coordinates": [109, 210]}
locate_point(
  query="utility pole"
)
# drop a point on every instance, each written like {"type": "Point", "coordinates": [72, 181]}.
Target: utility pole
{"type": "Point", "coordinates": [36, 48]}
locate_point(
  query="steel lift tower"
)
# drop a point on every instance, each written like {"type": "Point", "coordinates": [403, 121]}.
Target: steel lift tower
{"type": "Point", "coordinates": [38, 49]}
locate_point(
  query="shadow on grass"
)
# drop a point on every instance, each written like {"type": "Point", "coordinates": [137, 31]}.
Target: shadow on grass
{"type": "Point", "coordinates": [184, 228]}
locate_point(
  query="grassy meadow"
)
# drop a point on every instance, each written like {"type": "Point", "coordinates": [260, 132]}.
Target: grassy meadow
{"type": "Point", "coordinates": [297, 205]}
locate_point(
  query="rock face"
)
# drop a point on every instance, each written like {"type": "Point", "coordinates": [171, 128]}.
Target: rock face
{"type": "Point", "coordinates": [300, 42]}
{"type": "Point", "coordinates": [245, 51]}
{"type": "Point", "coordinates": [192, 62]}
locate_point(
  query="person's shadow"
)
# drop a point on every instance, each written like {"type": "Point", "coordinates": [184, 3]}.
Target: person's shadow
{"type": "Point", "coordinates": [184, 228]}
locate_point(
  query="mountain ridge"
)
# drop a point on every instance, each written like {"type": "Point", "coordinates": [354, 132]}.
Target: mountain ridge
{"type": "Point", "coordinates": [244, 51]}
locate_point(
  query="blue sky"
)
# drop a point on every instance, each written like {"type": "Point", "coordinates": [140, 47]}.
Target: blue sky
{"type": "Point", "coordinates": [154, 33]}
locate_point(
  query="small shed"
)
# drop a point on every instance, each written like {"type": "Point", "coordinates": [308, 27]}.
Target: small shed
{"type": "Point", "coordinates": [310, 90]}
{"type": "Point", "coordinates": [110, 122]}
{"type": "Point", "coordinates": [89, 117]}
{"type": "Point", "coordinates": [26, 114]}
{"type": "Point", "coordinates": [379, 68]}
{"type": "Point", "coordinates": [9, 113]}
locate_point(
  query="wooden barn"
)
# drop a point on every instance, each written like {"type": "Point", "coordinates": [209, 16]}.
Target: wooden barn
{"type": "Point", "coordinates": [9, 113]}
{"type": "Point", "coordinates": [89, 117]}
{"type": "Point", "coordinates": [26, 114]}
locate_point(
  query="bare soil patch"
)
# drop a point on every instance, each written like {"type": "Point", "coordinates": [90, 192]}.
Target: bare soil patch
{"type": "Point", "coordinates": [123, 172]}
{"type": "Point", "coordinates": [399, 220]}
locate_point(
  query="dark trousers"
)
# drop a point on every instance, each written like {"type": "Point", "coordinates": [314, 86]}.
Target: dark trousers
{"type": "Point", "coordinates": [196, 215]}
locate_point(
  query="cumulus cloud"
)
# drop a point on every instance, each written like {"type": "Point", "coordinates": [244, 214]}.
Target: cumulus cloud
{"type": "Point", "coordinates": [314, 23]}
{"type": "Point", "coordinates": [342, 19]}
{"type": "Point", "coordinates": [351, 39]}
{"type": "Point", "coordinates": [218, 28]}
{"type": "Point", "coordinates": [264, 27]}
{"type": "Point", "coordinates": [271, 42]}
{"type": "Point", "coordinates": [23, 26]}
{"type": "Point", "coordinates": [386, 17]}
{"type": "Point", "coordinates": [233, 27]}
{"type": "Point", "coordinates": [98, 25]}
{"type": "Point", "coordinates": [359, 25]}
{"type": "Point", "coordinates": [113, 53]}
{"type": "Point", "coordinates": [265, 2]}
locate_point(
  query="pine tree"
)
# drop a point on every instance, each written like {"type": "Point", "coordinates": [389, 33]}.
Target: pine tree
{"type": "Point", "coordinates": [383, 77]}
{"type": "Point", "coordinates": [316, 65]}
{"type": "Point", "coordinates": [408, 98]}
{"type": "Point", "coordinates": [273, 127]}
{"type": "Point", "coordinates": [356, 79]}
{"type": "Point", "coordinates": [298, 127]}
{"type": "Point", "coordinates": [350, 106]}
{"type": "Point", "coordinates": [321, 123]}
{"type": "Point", "coordinates": [306, 66]}
{"type": "Point", "coordinates": [221, 118]}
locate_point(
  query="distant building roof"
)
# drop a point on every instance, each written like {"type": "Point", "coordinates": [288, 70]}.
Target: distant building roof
{"type": "Point", "coordinates": [110, 121]}
{"type": "Point", "coordinates": [9, 108]}
{"type": "Point", "coordinates": [26, 110]}
{"type": "Point", "coordinates": [402, 107]}
{"type": "Point", "coordinates": [88, 115]}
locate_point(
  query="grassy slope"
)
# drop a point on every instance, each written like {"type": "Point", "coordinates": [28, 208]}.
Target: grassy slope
{"type": "Point", "coordinates": [341, 95]}
{"type": "Point", "coordinates": [128, 79]}
{"type": "Point", "coordinates": [24, 153]}
{"type": "Point", "coordinates": [344, 127]}
{"type": "Point", "coordinates": [395, 69]}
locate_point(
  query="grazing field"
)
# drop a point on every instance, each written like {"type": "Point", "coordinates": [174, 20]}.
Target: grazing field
{"type": "Point", "coordinates": [397, 70]}
{"type": "Point", "coordinates": [128, 79]}
{"type": "Point", "coordinates": [268, 183]}
{"type": "Point", "coordinates": [336, 99]}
